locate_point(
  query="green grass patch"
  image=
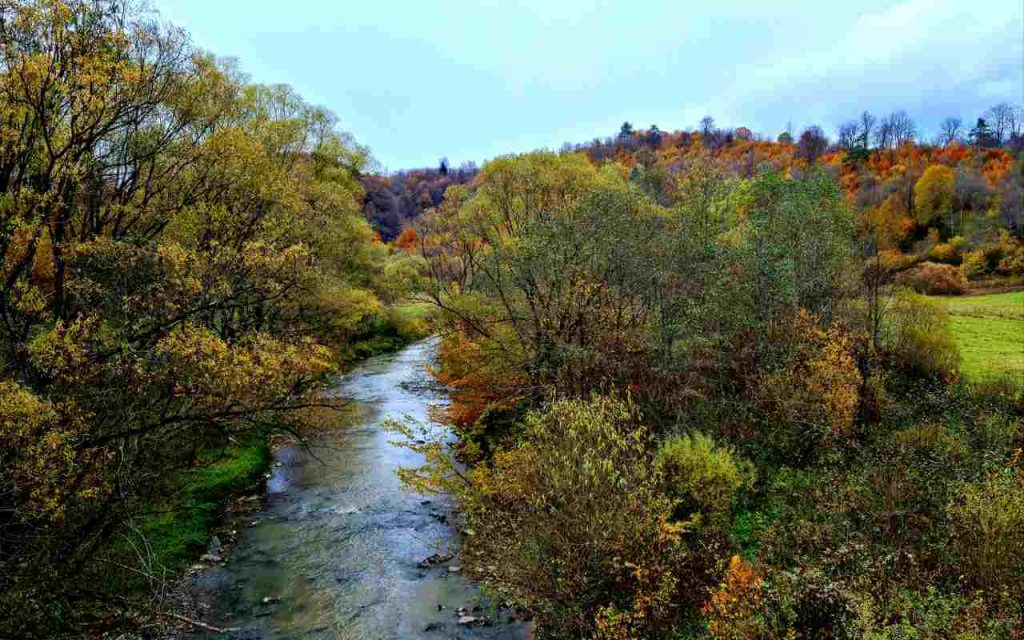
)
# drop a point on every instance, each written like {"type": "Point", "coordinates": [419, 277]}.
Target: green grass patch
{"type": "Point", "coordinates": [989, 330]}
{"type": "Point", "coordinates": [179, 530]}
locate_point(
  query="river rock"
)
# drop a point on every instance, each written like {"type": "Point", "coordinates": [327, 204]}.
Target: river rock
{"type": "Point", "coordinates": [435, 559]}
{"type": "Point", "coordinates": [214, 554]}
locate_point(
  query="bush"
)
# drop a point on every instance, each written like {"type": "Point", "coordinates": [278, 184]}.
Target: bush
{"type": "Point", "coordinates": [916, 333]}
{"type": "Point", "coordinates": [974, 264]}
{"type": "Point", "coordinates": [934, 279]}
{"type": "Point", "coordinates": [1012, 263]}
{"type": "Point", "coordinates": [734, 611]}
{"type": "Point", "coordinates": [988, 531]}
{"type": "Point", "coordinates": [809, 395]}
{"type": "Point", "coordinates": [573, 524]}
{"type": "Point", "coordinates": [701, 473]}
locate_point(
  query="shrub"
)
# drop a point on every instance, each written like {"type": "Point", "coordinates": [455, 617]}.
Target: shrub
{"type": "Point", "coordinates": [573, 524]}
{"type": "Point", "coordinates": [699, 472]}
{"type": "Point", "coordinates": [974, 264]}
{"type": "Point", "coordinates": [1012, 263]}
{"type": "Point", "coordinates": [809, 396]}
{"type": "Point", "coordinates": [987, 521]}
{"type": "Point", "coordinates": [734, 611]}
{"type": "Point", "coordinates": [934, 279]}
{"type": "Point", "coordinates": [916, 333]}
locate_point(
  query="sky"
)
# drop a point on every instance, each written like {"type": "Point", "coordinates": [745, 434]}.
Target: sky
{"type": "Point", "coordinates": [417, 80]}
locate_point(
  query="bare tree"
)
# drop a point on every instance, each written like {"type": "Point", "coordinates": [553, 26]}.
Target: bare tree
{"type": "Point", "coordinates": [1002, 119]}
{"type": "Point", "coordinates": [707, 125]}
{"type": "Point", "coordinates": [950, 130]}
{"type": "Point", "coordinates": [867, 127]}
{"type": "Point", "coordinates": [883, 134]}
{"type": "Point", "coordinates": [903, 128]}
{"type": "Point", "coordinates": [849, 135]}
{"type": "Point", "coordinates": [895, 130]}
{"type": "Point", "coordinates": [1016, 124]}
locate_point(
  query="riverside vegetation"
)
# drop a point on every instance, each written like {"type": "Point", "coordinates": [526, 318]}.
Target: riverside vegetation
{"type": "Point", "coordinates": [184, 264]}
{"type": "Point", "coordinates": [717, 410]}
{"type": "Point", "coordinates": [697, 386]}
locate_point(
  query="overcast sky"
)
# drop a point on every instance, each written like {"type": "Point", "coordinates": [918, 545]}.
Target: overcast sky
{"type": "Point", "coordinates": [420, 79]}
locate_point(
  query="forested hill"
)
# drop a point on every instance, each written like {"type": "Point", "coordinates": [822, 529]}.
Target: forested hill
{"type": "Point", "coordinates": [878, 162]}
{"type": "Point", "coordinates": [392, 200]}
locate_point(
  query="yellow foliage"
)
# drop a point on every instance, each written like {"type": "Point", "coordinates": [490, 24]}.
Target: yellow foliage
{"type": "Point", "coordinates": [933, 194]}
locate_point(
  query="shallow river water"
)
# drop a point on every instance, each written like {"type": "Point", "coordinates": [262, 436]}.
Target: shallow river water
{"type": "Point", "coordinates": [335, 550]}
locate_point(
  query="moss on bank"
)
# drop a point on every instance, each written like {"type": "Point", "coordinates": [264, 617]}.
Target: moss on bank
{"type": "Point", "coordinates": [180, 531]}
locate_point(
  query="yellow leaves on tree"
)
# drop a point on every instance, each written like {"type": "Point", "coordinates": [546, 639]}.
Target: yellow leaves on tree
{"type": "Point", "coordinates": [933, 195]}
{"type": "Point", "coordinates": [38, 457]}
{"type": "Point", "coordinates": [219, 376]}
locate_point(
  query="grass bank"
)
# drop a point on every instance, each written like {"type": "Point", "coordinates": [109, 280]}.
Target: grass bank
{"type": "Point", "coordinates": [990, 332]}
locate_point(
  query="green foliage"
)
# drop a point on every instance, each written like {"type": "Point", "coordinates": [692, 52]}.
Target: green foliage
{"type": "Point", "coordinates": [703, 473]}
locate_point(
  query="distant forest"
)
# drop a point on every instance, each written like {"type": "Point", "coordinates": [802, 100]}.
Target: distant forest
{"type": "Point", "coordinates": [877, 161]}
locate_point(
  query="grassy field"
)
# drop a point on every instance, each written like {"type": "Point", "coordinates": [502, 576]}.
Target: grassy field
{"type": "Point", "coordinates": [990, 331]}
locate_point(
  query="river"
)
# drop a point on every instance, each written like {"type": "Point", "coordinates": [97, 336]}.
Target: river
{"type": "Point", "coordinates": [335, 550]}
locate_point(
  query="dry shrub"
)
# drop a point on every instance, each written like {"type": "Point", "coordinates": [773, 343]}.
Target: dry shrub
{"type": "Point", "coordinates": [810, 398]}
{"type": "Point", "coordinates": [933, 278]}
{"type": "Point", "coordinates": [573, 524]}
{"type": "Point", "coordinates": [734, 611]}
{"type": "Point", "coordinates": [916, 334]}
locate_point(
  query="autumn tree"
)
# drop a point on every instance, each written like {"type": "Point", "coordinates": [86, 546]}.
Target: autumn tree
{"type": "Point", "coordinates": [933, 196]}
{"type": "Point", "coordinates": [812, 144]}
{"type": "Point", "coordinates": [178, 249]}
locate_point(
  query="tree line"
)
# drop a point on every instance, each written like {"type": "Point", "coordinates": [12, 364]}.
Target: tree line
{"type": "Point", "coordinates": [183, 260]}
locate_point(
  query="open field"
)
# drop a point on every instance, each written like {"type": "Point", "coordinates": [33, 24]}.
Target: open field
{"type": "Point", "coordinates": [990, 331]}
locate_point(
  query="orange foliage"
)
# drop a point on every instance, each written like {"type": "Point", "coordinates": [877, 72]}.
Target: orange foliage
{"type": "Point", "coordinates": [475, 386]}
{"type": "Point", "coordinates": [407, 241]}
{"type": "Point", "coordinates": [732, 611]}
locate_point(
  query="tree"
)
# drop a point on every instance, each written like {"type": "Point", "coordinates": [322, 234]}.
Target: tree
{"type": "Point", "coordinates": [867, 129]}
{"type": "Point", "coordinates": [177, 249]}
{"type": "Point", "coordinates": [1003, 120]}
{"type": "Point", "coordinates": [933, 196]}
{"type": "Point", "coordinates": [812, 144]}
{"type": "Point", "coordinates": [903, 128]}
{"type": "Point", "coordinates": [894, 131]}
{"type": "Point", "coordinates": [849, 135]}
{"type": "Point", "coordinates": [626, 132]}
{"type": "Point", "coordinates": [707, 125]}
{"type": "Point", "coordinates": [982, 135]}
{"type": "Point", "coordinates": [950, 131]}
{"type": "Point", "coordinates": [653, 137]}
